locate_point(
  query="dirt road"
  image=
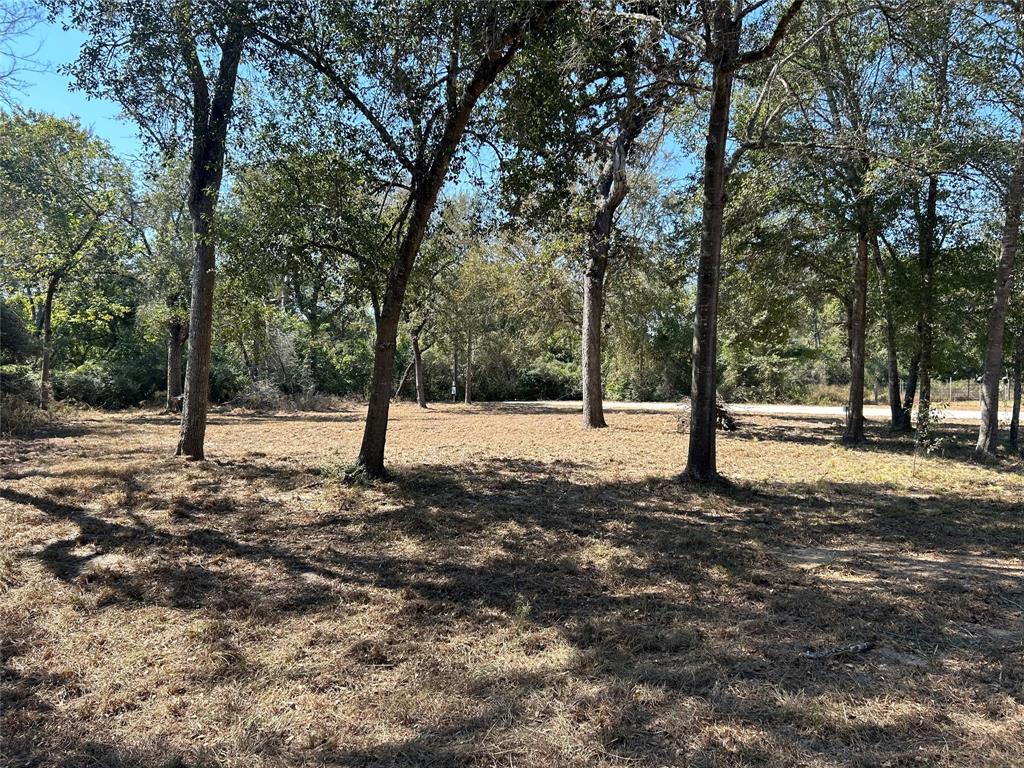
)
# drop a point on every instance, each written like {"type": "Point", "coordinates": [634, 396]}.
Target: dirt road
{"type": "Point", "coordinates": [960, 413]}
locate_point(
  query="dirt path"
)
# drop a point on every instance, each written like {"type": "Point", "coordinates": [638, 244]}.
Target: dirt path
{"type": "Point", "coordinates": [763, 409]}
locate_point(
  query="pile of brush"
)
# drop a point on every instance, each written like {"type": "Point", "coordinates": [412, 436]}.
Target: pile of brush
{"type": "Point", "coordinates": [724, 418]}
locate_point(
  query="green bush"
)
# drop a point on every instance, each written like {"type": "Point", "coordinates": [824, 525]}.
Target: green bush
{"type": "Point", "coordinates": [107, 383]}
{"type": "Point", "coordinates": [339, 368]}
{"type": "Point", "coordinates": [19, 381]}
{"type": "Point", "coordinates": [227, 379]}
{"type": "Point", "coordinates": [548, 379]}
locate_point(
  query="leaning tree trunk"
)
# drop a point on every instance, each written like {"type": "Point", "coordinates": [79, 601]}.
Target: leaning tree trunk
{"type": "Point", "coordinates": [424, 196]}
{"type": "Point", "coordinates": [926, 261]}
{"type": "Point", "coordinates": [854, 433]}
{"type": "Point", "coordinates": [421, 384]}
{"type": "Point", "coordinates": [175, 339]}
{"type": "Point", "coordinates": [1018, 369]}
{"type": "Point", "coordinates": [701, 463]}
{"type": "Point", "coordinates": [44, 373]}
{"type": "Point", "coordinates": [989, 432]}
{"type": "Point", "coordinates": [892, 360]}
{"type": "Point", "coordinates": [371, 450]}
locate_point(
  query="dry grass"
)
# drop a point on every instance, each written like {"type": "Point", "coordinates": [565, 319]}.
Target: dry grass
{"type": "Point", "coordinates": [522, 593]}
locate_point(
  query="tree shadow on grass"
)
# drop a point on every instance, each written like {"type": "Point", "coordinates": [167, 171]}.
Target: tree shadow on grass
{"type": "Point", "coordinates": [685, 611]}
{"type": "Point", "coordinates": [951, 440]}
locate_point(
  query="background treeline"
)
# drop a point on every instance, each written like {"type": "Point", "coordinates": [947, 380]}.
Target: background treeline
{"type": "Point", "coordinates": [873, 168]}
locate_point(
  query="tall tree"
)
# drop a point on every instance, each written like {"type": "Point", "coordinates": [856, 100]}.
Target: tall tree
{"type": "Point", "coordinates": [413, 73]}
{"type": "Point", "coordinates": [161, 221]}
{"type": "Point", "coordinates": [999, 34]}
{"type": "Point", "coordinates": [174, 70]}
{"type": "Point", "coordinates": [720, 43]}
{"type": "Point", "coordinates": [61, 192]}
{"type": "Point", "coordinates": [617, 73]}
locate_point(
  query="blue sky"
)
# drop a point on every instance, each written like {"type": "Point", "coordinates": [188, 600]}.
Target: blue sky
{"type": "Point", "coordinates": [50, 91]}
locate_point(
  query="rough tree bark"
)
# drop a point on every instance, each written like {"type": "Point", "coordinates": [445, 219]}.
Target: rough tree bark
{"type": "Point", "coordinates": [612, 186]}
{"type": "Point", "coordinates": [211, 115]}
{"type": "Point", "coordinates": [892, 359]}
{"type": "Point", "coordinates": [701, 464]}
{"type": "Point", "coordinates": [723, 52]}
{"type": "Point", "coordinates": [44, 374]}
{"type": "Point", "coordinates": [926, 262]}
{"type": "Point", "coordinates": [906, 420]}
{"type": "Point", "coordinates": [176, 336]}
{"type": "Point", "coordinates": [593, 310]}
{"type": "Point", "coordinates": [993, 361]}
{"type": "Point", "coordinates": [854, 433]}
{"type": "Point", "coordinates": [1018, 369]}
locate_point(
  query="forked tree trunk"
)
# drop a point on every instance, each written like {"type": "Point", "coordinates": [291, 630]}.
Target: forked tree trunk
{"type": "Point", "coordinates": [926, 260]}
{"type": "Point", "coordinates": [701, 463]}
{"type": "Point", "coordinates": [892, 360]}
{"type": "Point", "coordinates": [469, 368]}
{"type": "Point", "coordinates": [175, 339]}
{"type": "Point", "coordinates": [47, 351]}
{"type": "Point", "coordinates": [993, 363]}
{"type": "Point", "coordinates": [611, 191]}
{"type": "Point", "coordinates": [211, 115]}
{"type": "Point", "coordinates": [854, 433]}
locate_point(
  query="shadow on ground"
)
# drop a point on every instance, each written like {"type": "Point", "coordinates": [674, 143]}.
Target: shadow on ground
{"type": "Point", "coordinates": [688, 611]}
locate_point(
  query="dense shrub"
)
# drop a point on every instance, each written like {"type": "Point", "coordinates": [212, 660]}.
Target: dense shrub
{"type": "Point", "coordinates": [548, 379]}
{"type": "Point", "coordinates": [339, 368]}
{"type": "Point", "coordinates": [19, 381]}
{"type": "Point", "coordinates": [227, 378]}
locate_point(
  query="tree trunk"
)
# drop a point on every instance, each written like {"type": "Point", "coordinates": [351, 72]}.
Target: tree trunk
{"type": "Point", "coordinates": [175, 340]}
{"type": "Point", "coordinates": [854, 433]}
{"type": "Point", "coordinates": [611, 191]}
{"type": "Point", "coordinates": [371, 452]}
{"type": "Point", "coordinates": [926, 260]}
{"type": "Point", "coordinates": [593, 309]}
{"type": "Point", "coordinates": [455, 368]}
{"type": "Point", "coordinates": [892, 360]}
{"type": "Point", "coordinates": [405, 375]}
{"type": "Point", "coordinates": [421, 384]}
{"type": "Point", "coordinates": [211, 116]}
{"type": "Point", "coordinates": [425, 188]}
{"type": "Point", "coordinates": [906, 421]}
{"type": "Point", "coordinates": [45, 375]}
{"type": "Point", "coordinates": [1018, 369]}
{"type": "Point", "coordinates": [469, 368]}
{"type": "Point", "coordinates": [200, 342]}
{"type": "Point", "coordinates": [989, 432]}
{"type": "Point", "coordinates": [701, 464]}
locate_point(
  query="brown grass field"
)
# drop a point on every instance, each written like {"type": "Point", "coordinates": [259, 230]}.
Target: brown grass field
{"type": "Point", "coordinates": [520, 593]}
